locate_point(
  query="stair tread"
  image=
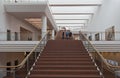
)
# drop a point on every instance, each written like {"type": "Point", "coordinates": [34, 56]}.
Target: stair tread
{"type": "Point", "coordinates": [65, 66]}
{"type": "Point", "coordinates": [65, 51]}
{"type": "Point", "coordinates": [66, 70]}
{"type": "Point", "coordinates": [65, 61]}
{"type": "Point", "coordinates": [67, 56]}
{"type": "Point", "coordinates": [66, 75]}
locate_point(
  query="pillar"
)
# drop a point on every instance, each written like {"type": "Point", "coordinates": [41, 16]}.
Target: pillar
{"type": "Point", "coordinates": [53, 34]}
{"type": "Point", "coordinates": [44, 26]}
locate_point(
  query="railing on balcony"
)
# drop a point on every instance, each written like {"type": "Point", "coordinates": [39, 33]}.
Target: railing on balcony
{"type": "Point", "coordinates": [107, 69]}
{"type": "Point", "coordinates": [20, 36]}
{"type": "Point", "coordinates": [103, 36]}
{"type": "Point", "coordinates": [26, 65]}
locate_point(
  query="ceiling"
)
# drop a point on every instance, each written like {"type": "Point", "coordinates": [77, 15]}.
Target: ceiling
{"type": "Point", "coordinates": [33, 18]}
{"type": "Point", "coordinates": [73, 14]}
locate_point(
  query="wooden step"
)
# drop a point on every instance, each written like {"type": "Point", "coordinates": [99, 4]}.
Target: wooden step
{"type": "Point", "coordinates": [64, 59]}
{"type": "Point", "coordinates": [63, 63]}
{"type": "Point", "coordinates": [65, 76]}
{"type": "Point", "coordinates": [66, 56]}
{"type": "Point", "coordinates": [63, 55]}
{"type": "Point", "coordinates": [67, 67]}
{"type": "Point", "coordinates": [64, 72]}
{"type": "Point", "coordinates": [64, 51]}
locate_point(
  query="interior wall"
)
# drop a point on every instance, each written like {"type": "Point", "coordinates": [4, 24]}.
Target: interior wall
{"type": "Point", "coordinates": [15, 25]}
{"type": "Point", "coordinates": [9, 57]}
{"type": "Point", "coordinates": [25, 35]}
{"type": "Point", "coordinates": [107, 15]}
{"type": "Point", "coordinates": [2, 22]}
{"type": "Point", "coordinates": [9, 22]}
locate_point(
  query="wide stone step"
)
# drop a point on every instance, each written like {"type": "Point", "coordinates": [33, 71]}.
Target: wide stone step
{"type": "Point", "coordinates": [65, 55]}
{"type": "Point", "coordinates": [65, 72]}
{"type": "Point", "coordinates": [65, 76]}
{"type": "Point", "coordinates": [63, 63]}
{"type": "Point", "coordinates": [64, 59]}
{"type": "Point", "coordinates": [64, 51]}
{"type": "Point", "coordinates": [65, 67]}
{"type": "Point", "coordinates": [70, 56]}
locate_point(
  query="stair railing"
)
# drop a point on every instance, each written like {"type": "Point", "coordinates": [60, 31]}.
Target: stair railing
{"type": "Point", "coordinates": [29, 61]}
{"type": "Point", "coordinates": [100, 61]}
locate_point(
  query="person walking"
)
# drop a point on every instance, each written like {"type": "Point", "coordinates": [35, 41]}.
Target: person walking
{"type": "Point", "coordinates": [70, 34]}
{"type": "Point", "coordinates": [67, 34]}
{"type": "Point", "coordinates": [63, 34]}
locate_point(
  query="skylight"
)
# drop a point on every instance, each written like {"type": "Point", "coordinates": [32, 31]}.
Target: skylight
{"type": "Point", "coordinates": [75, 1]}
{"type": "Point", "coordinates": [74, 9]}
{"type": "Point", "coordinates": [73, 13]}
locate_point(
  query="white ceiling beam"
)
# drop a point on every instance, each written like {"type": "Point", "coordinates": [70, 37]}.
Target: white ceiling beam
{"type": "Point", "coordinates": [72, 13]}
{"type": "Point", "coordinates": [70, 26]}
{"type": "Point", "coordinates": [71, 19]}
{"type": "Point", "coordinates": [62, 5]}
{"type": "Point", "coordinates": [70, 23]}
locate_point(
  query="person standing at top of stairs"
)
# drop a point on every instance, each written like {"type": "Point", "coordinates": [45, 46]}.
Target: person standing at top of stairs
{"type": "Point", "coordinates": [63, 34]}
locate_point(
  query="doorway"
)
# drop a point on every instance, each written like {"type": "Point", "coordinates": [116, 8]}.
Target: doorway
{"type": "Point", "coordinates": [16, 36]}
{"type": "Point", "coordinates": [8, 35]}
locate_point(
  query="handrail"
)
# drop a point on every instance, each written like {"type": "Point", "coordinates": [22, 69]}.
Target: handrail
{"type": "Point", "coordinates": [103, 59]}
{"type": "Point", "coordinates": [25, 59]}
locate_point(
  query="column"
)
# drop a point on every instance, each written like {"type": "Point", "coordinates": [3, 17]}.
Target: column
{"type": "Point", "coordinates": [44, 26]}
{"type": "Point", "coordinates": [53, 34]}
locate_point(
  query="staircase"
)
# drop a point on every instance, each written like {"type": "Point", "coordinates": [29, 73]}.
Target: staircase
{"type": "Point", "coordinates": [64, 59]}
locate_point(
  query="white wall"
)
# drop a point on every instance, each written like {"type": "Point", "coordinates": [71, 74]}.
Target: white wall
{"type": "Point", "coordinates": [9, 57]}
{"type": "Point", "coordinates": [12, 23]}
{"type": "Point", "coordinates": [15, 25]}
{"type": "Point", "coordinates": [2, 22]}
{"type": "Point", "coordinates": [106, 16]}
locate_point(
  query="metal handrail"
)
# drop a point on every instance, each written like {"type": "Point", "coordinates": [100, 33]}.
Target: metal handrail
{"type": "Point", "coordinates": [25, 59]}
{"type": "Point", "coordinates": [103, 59]}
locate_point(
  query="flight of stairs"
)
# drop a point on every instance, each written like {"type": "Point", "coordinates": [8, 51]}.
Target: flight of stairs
{"type": "Point", "coordinates": [64, 59]}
